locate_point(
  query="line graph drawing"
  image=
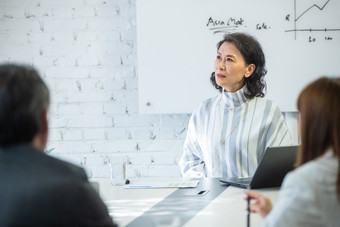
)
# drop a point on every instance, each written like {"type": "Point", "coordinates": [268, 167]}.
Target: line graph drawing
{"type": "Point", "coordinates": [298, 16]}
{"type": "Point", "coordinates": [314, 5]}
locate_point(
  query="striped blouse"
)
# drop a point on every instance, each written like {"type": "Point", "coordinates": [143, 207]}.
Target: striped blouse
{"type": "Point", "coordinates": [228, 134]}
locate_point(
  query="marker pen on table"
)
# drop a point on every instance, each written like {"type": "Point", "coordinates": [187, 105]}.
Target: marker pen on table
{"type": "Point", "coordinates": [248, 211]}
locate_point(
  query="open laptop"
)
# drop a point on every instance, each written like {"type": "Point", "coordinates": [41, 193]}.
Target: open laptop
{"type": "Point", "coordinates": [275, 164]}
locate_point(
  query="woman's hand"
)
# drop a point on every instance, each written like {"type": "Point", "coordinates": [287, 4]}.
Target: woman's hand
{"type": "Point", "coordinates": [262, 204]}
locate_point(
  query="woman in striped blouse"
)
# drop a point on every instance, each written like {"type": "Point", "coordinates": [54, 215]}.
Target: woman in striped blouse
{"type": "Point", "coordinates": [228, 134]}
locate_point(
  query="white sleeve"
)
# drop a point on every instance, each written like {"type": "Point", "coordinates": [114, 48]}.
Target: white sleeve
{"type": "Point", "coordinates": [278, 133]}
{"type": "Point", "coordinates": [296, 205]}
{"type": "Point", "coordinates": [191, 162]}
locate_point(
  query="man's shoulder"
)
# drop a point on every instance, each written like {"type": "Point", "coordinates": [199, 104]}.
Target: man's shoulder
{"type": "Point", "coordinates": [40, 163]}
{"type": "Point", "coordinates": [63, 165]}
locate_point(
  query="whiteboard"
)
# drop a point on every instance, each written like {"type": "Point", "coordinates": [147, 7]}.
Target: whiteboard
{"type": "Point", "coordinates": [176, 47]}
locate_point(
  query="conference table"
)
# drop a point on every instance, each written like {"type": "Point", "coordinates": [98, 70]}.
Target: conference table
{"type": "Point", "coordinates": [211, 203]}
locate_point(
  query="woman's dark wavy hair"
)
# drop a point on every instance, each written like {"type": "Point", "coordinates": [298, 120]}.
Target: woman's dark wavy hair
{"type": "Point", "coordinates": [252, 53]}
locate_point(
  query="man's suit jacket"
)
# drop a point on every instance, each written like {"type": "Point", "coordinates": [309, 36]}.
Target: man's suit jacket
{"type": "Point", "coordinates": [39, 190]}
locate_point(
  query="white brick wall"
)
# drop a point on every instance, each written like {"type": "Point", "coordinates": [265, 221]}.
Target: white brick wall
{"type": "Point", "coordinates": [86, 52]}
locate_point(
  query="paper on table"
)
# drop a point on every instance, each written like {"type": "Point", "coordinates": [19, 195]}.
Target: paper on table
{"type": "Point", "coordinates": [165, 184]}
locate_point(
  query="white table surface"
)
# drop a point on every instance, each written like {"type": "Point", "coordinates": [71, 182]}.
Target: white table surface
{"type": "Point", "coordinates": [228, 209]}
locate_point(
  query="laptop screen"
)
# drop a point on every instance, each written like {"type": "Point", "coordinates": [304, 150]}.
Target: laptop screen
{"type": "Point", "coordinates": [275, 164]}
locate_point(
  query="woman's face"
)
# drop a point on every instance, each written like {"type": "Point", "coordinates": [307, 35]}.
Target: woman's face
{"type": "Point", "coordinates": [230, 68]}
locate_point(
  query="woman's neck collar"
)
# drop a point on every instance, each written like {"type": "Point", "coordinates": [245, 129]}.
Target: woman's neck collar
{"type": "Point", "coordinates": [234, 99]}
